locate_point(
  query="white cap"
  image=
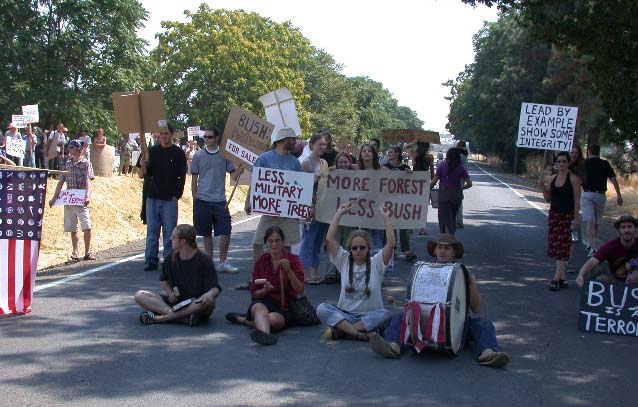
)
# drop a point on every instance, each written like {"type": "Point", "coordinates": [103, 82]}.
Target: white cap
{"type": "Point", "coordinates": [283, 133]}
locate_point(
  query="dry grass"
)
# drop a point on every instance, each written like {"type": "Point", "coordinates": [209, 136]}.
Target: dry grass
{"type": "Point", "coordinates": [629, 191]}
{"type": "Point", "coordinates": [115, 209]}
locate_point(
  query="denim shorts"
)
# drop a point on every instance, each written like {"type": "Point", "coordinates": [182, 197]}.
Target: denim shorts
{"type": "Point", "coordinates": [209, 216]}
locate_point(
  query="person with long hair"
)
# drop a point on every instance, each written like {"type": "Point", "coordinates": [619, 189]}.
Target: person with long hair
{"type": "Point", "coordinates": [360, 307]}
{"type": "Point", "coordinates": [188, 278]}
{"type": "Point", "coordinates": [277, 278]}
{"type": "Point", "coordinates": [395, 163]}
{"type": "Point", "coordinates": [563, 194]}
{"type": "Point", "coordinates": [422, 160]}
{"type": "Point", "coordinates": [450, 173]}
{"type": "Point", "coordinates": [577, 161]}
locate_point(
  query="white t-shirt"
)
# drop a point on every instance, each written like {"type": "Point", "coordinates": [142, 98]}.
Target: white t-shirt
{"type": "Point", "coordinates": [357, 301]}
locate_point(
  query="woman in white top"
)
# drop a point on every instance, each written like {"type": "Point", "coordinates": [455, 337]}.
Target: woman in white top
{"type": "Point", "coordinates": [360, 307]}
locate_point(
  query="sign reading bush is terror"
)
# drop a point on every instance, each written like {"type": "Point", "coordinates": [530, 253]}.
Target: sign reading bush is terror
{"type": "Point", "coordinates": [287, 194]}
{"type": "Point", "coordinates": [406, 195]}
{"type": "Point", "coordinates": [548, 127]}
{"type": "Point", "coordinates": [609, 308]}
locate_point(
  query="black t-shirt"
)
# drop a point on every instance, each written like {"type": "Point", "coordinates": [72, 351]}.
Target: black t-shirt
{"type": "Point", "coordinates": [400, 167]}
{"type": "Point", "coordinates": [597, 171]}
{"type": "Point", "coordinates": [193, 277]}
{"type": "Point", "coordinates": [329, 156]}
{"type": "Point", "coordinates": [167, 169]}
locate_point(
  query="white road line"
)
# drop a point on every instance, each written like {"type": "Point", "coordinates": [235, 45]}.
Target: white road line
{"type": "Point", "coordinates": [532, 204]}
{"type": "Point", "coordinates": [110, 265]}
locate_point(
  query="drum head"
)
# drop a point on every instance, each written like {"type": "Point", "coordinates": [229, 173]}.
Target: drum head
{"type": "Point", "coordinates": [457, 310]}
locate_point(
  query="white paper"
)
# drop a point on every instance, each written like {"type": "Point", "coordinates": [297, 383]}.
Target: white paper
{"type": "Point", "coordinates": [279, 106]}
{"type": "Point", "coordinates": [73, 197]}
{"type": "Point", "coordinates": [431, 284]}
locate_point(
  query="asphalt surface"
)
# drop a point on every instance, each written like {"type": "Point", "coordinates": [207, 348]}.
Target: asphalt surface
{"type": "Point", "coordinates": [83, 343]}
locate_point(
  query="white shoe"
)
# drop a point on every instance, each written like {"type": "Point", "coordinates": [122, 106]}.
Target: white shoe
{"type": "Point", "coordinates": [228, 268]}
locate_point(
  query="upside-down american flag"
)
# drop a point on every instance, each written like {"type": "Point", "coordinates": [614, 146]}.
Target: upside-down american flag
{"type": "Point", "coordinates": [22, 197]}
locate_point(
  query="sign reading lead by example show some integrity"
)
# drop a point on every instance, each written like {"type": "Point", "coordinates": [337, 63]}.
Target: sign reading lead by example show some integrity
{"type": "Point", "coordinates": [547, 127]}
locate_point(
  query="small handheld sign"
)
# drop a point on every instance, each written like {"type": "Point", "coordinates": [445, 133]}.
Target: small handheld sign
{"type": "Point", "coordinates": [609, 308]}
{"type": "Point", "coordinates": [73, 197]}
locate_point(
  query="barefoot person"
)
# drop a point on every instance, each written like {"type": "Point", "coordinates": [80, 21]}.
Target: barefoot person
{"type": "Point", "coordinates": [480, 330]}
{"type": "Point", "coordinates": [360, 307]}
{"type": "Point", "coordinates": [189, 274]}
{"type": "Point", "coordinates": [277, 278]}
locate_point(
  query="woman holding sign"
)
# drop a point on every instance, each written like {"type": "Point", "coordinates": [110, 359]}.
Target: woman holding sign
{"type": "Point", "coordinates": [360, 307]}
{"type": "Point", "coordinates": [277, 278]}
{"type": "Point", "coordinates": [314, 233]}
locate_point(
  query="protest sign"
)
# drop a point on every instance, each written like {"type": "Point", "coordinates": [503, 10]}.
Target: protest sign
{"type": "Point", "coordinates": [280, 110]}
{"type": "Point", "coordinates": [75, 197]}
{"type": "Point", "coordinates": [18, 120]}
{"type": "Point", "coordinates": [286, 194]}
{"type": "Point", "coordinates": [192, 132]}
{"type": "Point", "coordinates": [547, 127]}
{"type": "Point", "coordinates": [344, 142]}
{"type": "Point", "coordinates": [406, 195]}
{"type": "Point", "coordinates": [609, 308]}
{"type": "Point", "coordinates": [393, 136]}
{"type": "Point", "coordinates": [201, 133]}
{"type": "Point", "coordinates": [132, 137]}
{"type": "Point", "coordinates": [15, 146]}
{"type": "Point", "coordinates": [139, 112]}
{"type": "Point", "coordinates": [31, 113]}
{"type": "Point", "coordinates": [245, 137]}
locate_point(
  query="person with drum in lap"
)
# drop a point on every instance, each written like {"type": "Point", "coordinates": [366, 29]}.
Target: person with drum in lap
{"type": "Point", "coordinates": [277, 278]}
{"type": "Point", "coordinates": [360, 307]}
{"type": "Point", "coordinates": [480, 329]}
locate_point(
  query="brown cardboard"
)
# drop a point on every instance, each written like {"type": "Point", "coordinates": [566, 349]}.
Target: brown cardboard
{"type": "Point", "coordinates": [392, 136]}
{"type": "Point", "coordinates": [126, 106]}
{"type": "Point", "coordinates": [343, 143]}
{"type": "Point", "coordinates": [153, 109]}
{"type": "Point", "coordinates": [247, 130]}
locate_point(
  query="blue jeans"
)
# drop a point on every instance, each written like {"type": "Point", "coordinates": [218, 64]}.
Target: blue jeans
{"type": "Point", "coordinates": [331, 315]}
{"type": "Point", "coordinates": [159, 215]}
{"type": "Point", "coordinates": [479, 330]}
{"type": "Point", "coordinates": [311, 242]}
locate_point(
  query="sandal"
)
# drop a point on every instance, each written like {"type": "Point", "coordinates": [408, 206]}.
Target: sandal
{"type": "Point", "coordinates": [554, 285]}
{"type": "Point", "coordinates": [89, 256]}
{"type": "Point", "coordinates": [498, 359]}
{"type": "Point", "coordinates": [245, 286]}
{"type": "Point", "coordinates": [563, 284]}
{"type": "Point", "coordinates": [72, 260]}
{"type": "Point", "coordinates": [333, 334]}
{"type": "Point", "coordinates": [232, 318]}
{"type": "Point", "coordinates": [361, 336]}
{"type": "Point", "coordinates": [262, 337]}
{"type": "Point", "coordinates": [313, 281]}
{"type": "Point", "coordinates": [381, 346]}
{"type": "Point", "coordinates": [147, 318]}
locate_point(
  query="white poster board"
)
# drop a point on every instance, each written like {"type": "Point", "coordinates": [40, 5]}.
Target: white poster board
{"type": "Point", "coordinates": [201, 133]}
{"type": "Point", "coordinates": [132, 137]}
{"type": "Point", "coordinates": [547, 127]}
{"type": "Point", "coordinates": [239, 151]}
{"type": "Point", "coordinates": [31, 113]}
{"type": "Point", "coordinates": [431, 284]}
{"type": "Point", "coordinates": [75, 197]}
{"type": "Point", "coordinates": [279, 106]}
{"type": "Point", "coordinates": [287, 194]}
{"type": "Point", "coordinates": [15, 146]}
{"type": "Point", "coordinates": [192, 132]}
{"type": "Point", "coordinates": [19, 121]}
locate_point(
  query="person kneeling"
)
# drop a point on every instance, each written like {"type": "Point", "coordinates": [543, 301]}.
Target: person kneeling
{"type": "Point", "coordinates": [277, 278]}
{"type": "Point", "coordinates": [360, 307]}
{"type": "Point", "coordinates": [188, 281]}
{"type": "Point", "coordinates": [480, 330]}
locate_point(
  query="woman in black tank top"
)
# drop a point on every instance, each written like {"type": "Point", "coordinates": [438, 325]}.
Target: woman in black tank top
{"type": "Point", "coordinates": [563, 194]}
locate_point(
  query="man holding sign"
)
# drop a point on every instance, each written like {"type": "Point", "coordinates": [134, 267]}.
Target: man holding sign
{"type": "Point", "coordinates": [13, 144]}
{"type": "Point", "coordinates": [79, 176]}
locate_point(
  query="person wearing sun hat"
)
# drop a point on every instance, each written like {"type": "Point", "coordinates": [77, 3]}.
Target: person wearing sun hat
{"type": "Point", "coordinates": [620, 253]}
{"type": "Point", "coordinates": [12, 132]}
{"type": "Point", "coordinates": [480, 330]}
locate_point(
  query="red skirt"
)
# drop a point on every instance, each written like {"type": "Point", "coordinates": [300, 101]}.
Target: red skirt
{"type": "Point", "coordinates": [559, 241]}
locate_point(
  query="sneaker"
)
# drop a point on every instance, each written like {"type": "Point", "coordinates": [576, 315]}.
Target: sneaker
{"type": "Point", "coordinates": [228, 268]}
{"type": "Point", "coordinates": [590, 251]}
{"type": "Point", "coordinates": [150, 267]}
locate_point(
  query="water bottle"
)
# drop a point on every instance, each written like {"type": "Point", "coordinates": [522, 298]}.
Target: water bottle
{"type": "Point", "coordinates": [575, 235]}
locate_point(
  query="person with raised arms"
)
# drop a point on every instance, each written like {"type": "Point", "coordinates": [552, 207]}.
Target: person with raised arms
{"type": "Point", "coordinates": [360, 307]}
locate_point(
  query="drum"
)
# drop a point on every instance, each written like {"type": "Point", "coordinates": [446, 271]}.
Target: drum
{"type": "Point", "coordinates": [442, 293]}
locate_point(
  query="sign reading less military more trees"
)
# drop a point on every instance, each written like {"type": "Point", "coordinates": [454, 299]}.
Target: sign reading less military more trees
{"type": "Point", "coordinates": [286, 194]}
{"type": "Point", "coordinates": [547, 127]}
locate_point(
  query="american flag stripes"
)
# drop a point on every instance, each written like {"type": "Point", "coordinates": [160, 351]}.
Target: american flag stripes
{"type": "Point", "coordinates": [22, 197]}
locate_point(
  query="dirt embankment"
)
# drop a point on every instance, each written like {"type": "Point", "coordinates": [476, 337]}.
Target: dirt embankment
{"type": "Point", "coordinates": [115, 216]}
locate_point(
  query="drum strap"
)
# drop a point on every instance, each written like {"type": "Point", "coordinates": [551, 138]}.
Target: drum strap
{"type": "Point", "coordinates": [411, 332]}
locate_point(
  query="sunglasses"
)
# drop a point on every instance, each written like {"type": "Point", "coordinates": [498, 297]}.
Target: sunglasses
{"type": "Point", "coordinates": [356, 248]}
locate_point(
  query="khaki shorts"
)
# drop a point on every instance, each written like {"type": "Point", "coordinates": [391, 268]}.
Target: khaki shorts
{"type": "Point", "coordinates": [289, 226]}
{"type": "Point", "coordinates": [592, 205]}
{"type": "Point", "coordinates": [73, 213]}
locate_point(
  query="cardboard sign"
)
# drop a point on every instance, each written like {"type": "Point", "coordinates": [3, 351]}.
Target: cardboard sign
{"type": "Point", "coordinates": [19, 121]}
{"type": "Point", "coordinates": [406, 195]}
{"type": "Point", "coordinates": [609, 308]}
{"type": "Point", "coordinates": [192, 132]}
{"type": "Point", "coordinates": [139, 112]}
{"type": "Point", "coordinates": [548, 127]}
{"type": "Point", "coordinates": [74, 197]}
{"type": "Point", "coordinates": [344, 142]}
{"type": "Point", "coordinates": [279, 106]}
{"type": "Point", "coordinates": [249, 133]}
{"type": "Point", "coordinates": [393, 136]}
{"type": "Point", "coordinates": [15, 146]}
{"type": "Point", "coordinates": [31, 113]}
{"type": "Point", "coordinates": [287, 194]}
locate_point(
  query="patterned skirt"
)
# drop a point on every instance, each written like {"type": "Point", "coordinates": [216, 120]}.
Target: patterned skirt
{"type": "Point", "coordinates": [559, 235]}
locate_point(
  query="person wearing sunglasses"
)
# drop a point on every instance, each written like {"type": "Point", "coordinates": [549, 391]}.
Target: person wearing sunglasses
{"type": "Point", "coordinates": [563, 194]}
{"type": "Point", "coordinates": [360, 307]}
{"type": "Point", "coordinates": [208, 186]}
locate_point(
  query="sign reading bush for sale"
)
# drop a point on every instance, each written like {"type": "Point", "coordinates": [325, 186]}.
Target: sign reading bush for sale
{"type": "Point", "coordinates": [287, 194]}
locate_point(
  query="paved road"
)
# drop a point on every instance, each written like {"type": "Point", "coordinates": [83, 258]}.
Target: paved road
{"type": "Point", "coordinates": [83, 344]}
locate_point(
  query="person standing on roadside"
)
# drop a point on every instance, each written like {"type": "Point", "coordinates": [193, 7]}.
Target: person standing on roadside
{"type": "Point", "coordinates": [40, 153]}
{"type": "Point", "coordinates": [450, 172]}
{"type": "Point", "coordinates": [593, 199]}
{"type": "Point", "coordinates": [166, 167]}
{"type": "Point", "coordinates": [208, 186]}
{"type": "Point", "coordinates": [30, 141]}
{"type": "Point", "coordinates": [55, 146]}
{"type": "Point", "coordinates": [12, 132]}
{"type": "Point", "coordinates": [86, 143]}
{"type": "Point", "coordinates": [100, 139]}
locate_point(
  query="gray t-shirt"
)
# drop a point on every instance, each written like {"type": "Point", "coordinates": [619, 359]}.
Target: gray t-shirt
{"type": "Point", "coordinates": [271, 159]}
{"type": "Point", "coordinates": [211, 169]}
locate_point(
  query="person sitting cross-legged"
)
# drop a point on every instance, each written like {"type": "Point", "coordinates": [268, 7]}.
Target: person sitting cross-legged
{"type": "Point", "coordinates": [480, 329]}
{"type": "Point", "coordinates": [189, 274]}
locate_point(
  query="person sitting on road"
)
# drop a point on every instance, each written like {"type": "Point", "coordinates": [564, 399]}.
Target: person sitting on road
{"type": "Point", "coordinates": [620, 253]}
{"type": "Point", "coordinates": [188, 281]}
{"type": "Point", "coordinates": [480, 329]}
{"type": "Point", "coordinates": [360, 307]}
{"type": "Point", "coordinates": [277, 278]}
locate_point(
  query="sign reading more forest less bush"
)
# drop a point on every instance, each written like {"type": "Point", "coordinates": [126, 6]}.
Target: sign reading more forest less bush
{"type": "Point", "coordinates": [287, 194]}
{"type": "Point", "coordinates": [547, 127]}
{"type": "Point", "coordinates": [609, 308]}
